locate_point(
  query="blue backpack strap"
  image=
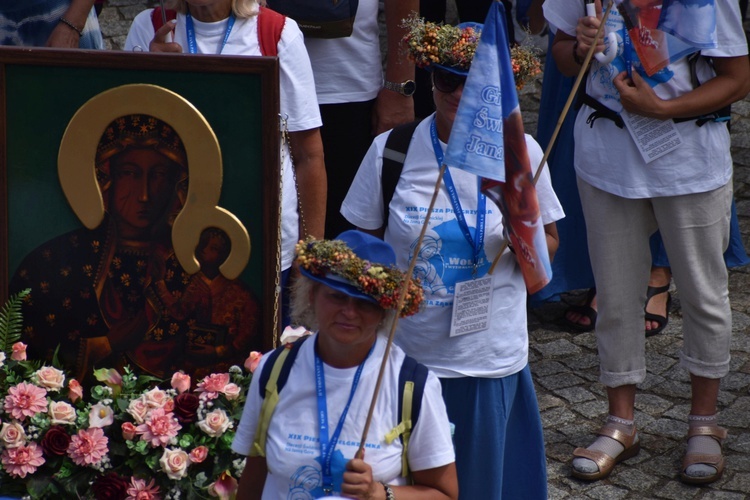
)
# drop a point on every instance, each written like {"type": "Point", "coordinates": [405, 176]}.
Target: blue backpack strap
{"type": "Point", "coordinates": [285, 368]}
{"type": "Point", "coordinates": [411, 382]}
{"type": "Point", "coordinates": [273, 377]}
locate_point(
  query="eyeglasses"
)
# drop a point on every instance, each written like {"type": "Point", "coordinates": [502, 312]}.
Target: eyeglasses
{"type": "Point", "coordinates": [446, 81]}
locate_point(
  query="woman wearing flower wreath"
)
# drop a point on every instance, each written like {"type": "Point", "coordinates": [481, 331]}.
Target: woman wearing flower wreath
{"type": "Point", "coordinates": [347, 293]}
{"type": "Point", "coordinates": [245, 28]}
{"type": "Point", "coordinates": [686, 194]}
{"type": "Point", "coordinates": [485, 376]}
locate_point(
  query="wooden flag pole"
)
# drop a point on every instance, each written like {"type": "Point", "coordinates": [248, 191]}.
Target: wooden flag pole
{"type": "Point", "coordinates": [564, 112]}
{"type": "Point", "coordinates": [401, 298]}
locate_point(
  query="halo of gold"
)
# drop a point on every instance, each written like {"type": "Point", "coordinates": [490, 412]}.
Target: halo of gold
{"type": "Point", "coordinates": [76, 168]}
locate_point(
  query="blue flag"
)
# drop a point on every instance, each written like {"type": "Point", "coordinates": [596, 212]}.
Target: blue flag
{"type": "Point", "coordinates": [488, 139]}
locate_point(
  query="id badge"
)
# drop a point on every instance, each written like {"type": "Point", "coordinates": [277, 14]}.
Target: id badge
{"type": "Point", "coordinates": [472, 306]}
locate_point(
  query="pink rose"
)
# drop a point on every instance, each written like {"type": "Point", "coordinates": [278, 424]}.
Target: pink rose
{"type": "Point", "coordinates": [128, 431]}
{"type": "Point", "coordinates": [232, 391]}
{"type": "Point", "coordinates": [198, 454]}
{"type": "Point", "coordinates": [12, 435]}
{"type": "Point", "coordinates": [19, 352]}
{"type": "Point", "coordinates": [156, 398]}
{"type": "Point", "coordinates": [174, 463]}
{"type": "Point", "coordinates": [50, 378]}
{"type": "Point", "coordinates": [180, 382]}
{"type": "Point", "coordinates": [75, 390]}
{"type": "Point", "coordinates": [138, 409]}
{"type": "Point", "coordinates": [251, 363]}
{"type": "Point", "coordinates": [216, 423]}
{"type": "Point", "coordinates": [61, 412]}
{"type": "Point", "coordinates": [213, 385]}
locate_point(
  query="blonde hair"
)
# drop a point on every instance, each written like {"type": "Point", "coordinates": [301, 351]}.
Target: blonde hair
{"type": "Point", "coordinates": [302, 312]}
{"type": "Point", "coordinates": [241, 8]}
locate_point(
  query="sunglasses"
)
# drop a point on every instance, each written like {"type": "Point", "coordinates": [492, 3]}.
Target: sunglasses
{"type": "Point", "coordinates": [447, 82]}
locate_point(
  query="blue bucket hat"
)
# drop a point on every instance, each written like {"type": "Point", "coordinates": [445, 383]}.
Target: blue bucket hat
{"type": "Point", "coordinates": [360, 266]}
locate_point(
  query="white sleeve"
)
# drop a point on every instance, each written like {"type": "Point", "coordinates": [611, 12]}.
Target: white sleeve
{"type": "Point", "coordinates": [245, 433]}
{"type": "Point", "coordinates": [729, 31]}
{"type": "Point", "coordinates": [141, 31]}
{"type": "Point", "coordinates": [431, 443]}
{"type": "Point", "coordinates": [564, 14]}
{"type": "Point", "coordinates": [299, 103]}
{"type": "Point", "coordinates": [363, 205]}
{"type": "Point", "coordinates": [549, 205]}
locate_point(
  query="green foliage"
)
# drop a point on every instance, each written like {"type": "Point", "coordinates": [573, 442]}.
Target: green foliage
{"type": "Point", "coordinates": [11, 320]}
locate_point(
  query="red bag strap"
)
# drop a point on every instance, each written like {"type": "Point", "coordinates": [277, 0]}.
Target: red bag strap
{"type": "Point", "coordinates": [156, 17]}
{"type": "Point", "coordinates": [270, 25]}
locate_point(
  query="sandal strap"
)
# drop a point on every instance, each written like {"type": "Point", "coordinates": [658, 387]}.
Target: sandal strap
{"type": "Point", "coordinates": [656, 290]}
{"type": "Point", "coordinates": [610, 430]}
{"type": "Point", "coordinates": [714, 431]}
{"type": "Point", "coordinates": [601, 459]}
{"type": "Point", "coordinates": [711, 459]}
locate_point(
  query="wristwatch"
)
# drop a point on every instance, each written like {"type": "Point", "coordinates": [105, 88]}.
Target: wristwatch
{"type": "Point", "coordinates": [406, 89]}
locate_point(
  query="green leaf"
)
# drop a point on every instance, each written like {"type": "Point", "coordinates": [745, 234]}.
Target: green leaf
{"type": "Point", "coordinates": [11, 320]}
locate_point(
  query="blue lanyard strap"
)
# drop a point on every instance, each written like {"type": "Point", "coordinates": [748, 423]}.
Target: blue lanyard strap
{"type": "Point", "coordinates": [476, 241]}
{"type": "Point", "coordinates": [327, 446]}
{"type": "Point", "coordinates": [193, 45]}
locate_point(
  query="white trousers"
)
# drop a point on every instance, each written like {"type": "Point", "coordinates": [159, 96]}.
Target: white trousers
{"type": "Point", "coordinates": [695, 230]}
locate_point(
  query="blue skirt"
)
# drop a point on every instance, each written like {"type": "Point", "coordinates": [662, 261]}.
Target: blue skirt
{"type": "Point", "coordinates": [498, 437]}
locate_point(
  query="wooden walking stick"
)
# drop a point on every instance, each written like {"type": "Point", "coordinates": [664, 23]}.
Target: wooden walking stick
{"type": "Point", "coordinates": [564, 112]}
{"type": "Point", "coordinates": [401, 298]}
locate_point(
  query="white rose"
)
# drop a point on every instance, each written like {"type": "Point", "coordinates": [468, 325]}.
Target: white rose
{"type": "Point", "coordinates": [50, 378]}
{"type": "Point", "coordinates": [12, 435]}
{"type": "Point", "coordinates": [215, 424]}
{"type": "Point", "coordinates": [138, 409]}
{"type": "Point", "coordinates": [174, 463]}
{"type": "Point", "coordinates": [2, 358]}
{"type": "Point", "coordinates": [61, 412]}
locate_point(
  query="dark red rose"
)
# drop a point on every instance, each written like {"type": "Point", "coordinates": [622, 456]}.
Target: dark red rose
{"type": "Point", "coordinates": [55, 441]}
{"type": "Point", "coordinates": [186, 407]}
{"type": "Point", "coordinates": [110, 486]}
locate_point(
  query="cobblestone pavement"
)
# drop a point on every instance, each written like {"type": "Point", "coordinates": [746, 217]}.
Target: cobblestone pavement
{"type": "Point", "coordinates": [565, 366]}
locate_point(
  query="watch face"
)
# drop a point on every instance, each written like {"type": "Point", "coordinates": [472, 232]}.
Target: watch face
{"type": "Point", "coordinates": [409, 87]}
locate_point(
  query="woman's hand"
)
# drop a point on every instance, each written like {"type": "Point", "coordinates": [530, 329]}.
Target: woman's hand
{"type": "Point", "coordinates": [161, 42]}
{"type": "Point", "coordinates": [586, 30]}
{"type": "Point", "coordinates": [359, 483]}
{"type": "Point", "coordinates": [637, 96]}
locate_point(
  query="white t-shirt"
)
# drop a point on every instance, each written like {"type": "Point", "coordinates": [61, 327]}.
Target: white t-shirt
{"type": "Point", "coordinates": [292, 445]}
{"type": "Point", "coordinates": [297, 89]}
{"type": "Point", "coordinates": [445, 258]}
{"type": "Point", "coordinates": [349, 69]}
{"type": "Point", "coordinates": [606, 156]}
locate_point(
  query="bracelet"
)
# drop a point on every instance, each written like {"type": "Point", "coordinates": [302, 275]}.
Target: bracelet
{"type": "Point", "coordinates": [388, 492]}
{"type": "Point", "coordinates": [577, 59]}
{"type": "Point", "coordinates": [71, 26]}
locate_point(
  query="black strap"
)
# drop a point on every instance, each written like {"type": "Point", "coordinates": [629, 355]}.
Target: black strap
{"type": "Point", "coordinates": [413, 371]}
{"type": "Point", "coordinates": [285, 368]}
{"type": "Point", "coordinates": [394, 156]}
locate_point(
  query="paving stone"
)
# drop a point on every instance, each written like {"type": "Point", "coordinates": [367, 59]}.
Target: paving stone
{"type": "Point", "coordinates": [607, 492]}
{"type": "Point", "coordinates": [575, 394]}
{"type": "Point", "coordinates": [652, 404]}
{"type": "Point", "coordinates": [557, 349]}
{"type": "Point", "coordinates": [740, 482]}
{"type": "Point", "coordinates": [560, 380]}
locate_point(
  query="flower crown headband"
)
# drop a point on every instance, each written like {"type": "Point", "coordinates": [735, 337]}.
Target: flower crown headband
{"type": "Point", "coordinates": [428, 43]}
{"type": "Point", "coordinates": [382, 283]}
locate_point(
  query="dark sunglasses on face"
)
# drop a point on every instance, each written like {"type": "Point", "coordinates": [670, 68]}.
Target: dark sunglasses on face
{"type": "Point", "coordinates": [447, 82]}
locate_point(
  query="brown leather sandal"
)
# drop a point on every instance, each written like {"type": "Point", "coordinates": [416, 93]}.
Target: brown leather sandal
{"type": "Point", "coordinates": [605, 462]}
{"type": "Point", "coordinates": [714, 460]}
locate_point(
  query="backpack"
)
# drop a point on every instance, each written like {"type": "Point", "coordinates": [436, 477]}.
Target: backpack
{"type": "Point", "coordinates": [270, 25]}
{"type": "Point", "coordinates": [412, 378]}
{"type": "Point", "coordinates": [320, 18]}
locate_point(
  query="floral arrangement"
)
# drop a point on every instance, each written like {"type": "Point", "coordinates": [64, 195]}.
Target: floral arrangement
{"type": "Point", "coordinates": [429, 43]}
{"type": "Point", "coordinates": [130, 439]}
{"type": "Point", "coordinates": [384, 284]}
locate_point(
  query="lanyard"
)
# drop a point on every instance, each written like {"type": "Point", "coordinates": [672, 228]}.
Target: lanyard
{"type": "Point", "coordinates": [327, 446]}
{"type": "Point", "coordinates": [476, 242]}
{"type": "Point", "coordinates": [192, 45]}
